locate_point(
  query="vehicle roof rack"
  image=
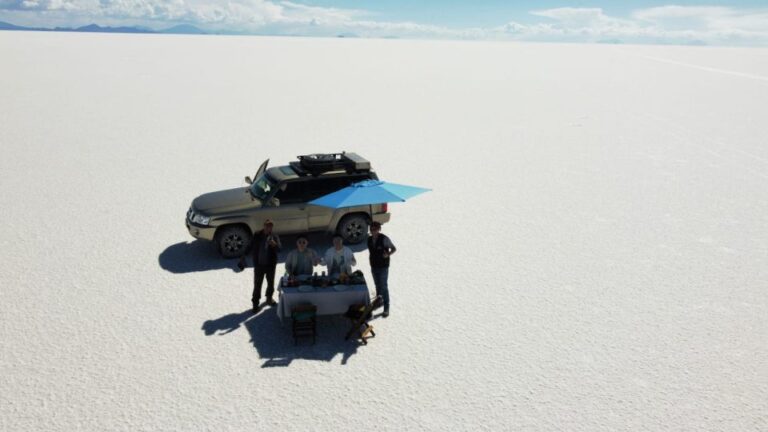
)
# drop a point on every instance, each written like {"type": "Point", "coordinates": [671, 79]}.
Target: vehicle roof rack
{"type": "Point", "coordinates": [319, 163]}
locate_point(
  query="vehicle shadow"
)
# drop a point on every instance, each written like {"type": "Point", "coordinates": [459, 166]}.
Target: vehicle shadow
{"type": "Point", "coordinates": [274, 342]}
{"type": "Point", "coordinates": [197, 255]}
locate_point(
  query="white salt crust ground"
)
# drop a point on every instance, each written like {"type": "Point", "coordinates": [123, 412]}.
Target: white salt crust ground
{"type": "Point", "coordinates": [594, 255]}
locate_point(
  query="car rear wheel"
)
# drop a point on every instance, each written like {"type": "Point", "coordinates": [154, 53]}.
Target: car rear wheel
{"type": "Point", "coordinates": [233, 241]}
{"type": "Point", "coordinates": [353, 228]}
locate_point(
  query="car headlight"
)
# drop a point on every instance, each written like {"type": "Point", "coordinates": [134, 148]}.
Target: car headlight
{"type": "Point", "coordinates": [200, 219]}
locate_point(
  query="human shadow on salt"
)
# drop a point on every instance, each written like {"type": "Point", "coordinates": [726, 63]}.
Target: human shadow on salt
{"type": "Point", "coordinates": [226, 324]}
{"type": "Point", "coordinates": [198, 255]}
{"type": "Point", "coordinates": [275, 344]}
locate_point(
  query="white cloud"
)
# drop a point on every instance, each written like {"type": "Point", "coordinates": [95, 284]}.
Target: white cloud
{"type": "Point", "coordinates": [665, 24]}
{"type": "Point", "coordinates": [580, 17]}
{"type": "Point", "coordinates": [705, 18]}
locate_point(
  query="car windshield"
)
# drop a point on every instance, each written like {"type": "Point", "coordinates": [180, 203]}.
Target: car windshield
{"type": "Point", "coordinates": [262, 187]}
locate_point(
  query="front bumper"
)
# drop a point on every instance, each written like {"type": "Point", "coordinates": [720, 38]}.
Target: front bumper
{"type": "Point", "coordinates": [203, 232]}
{"type": "Point", "coordinates": [199, 231]}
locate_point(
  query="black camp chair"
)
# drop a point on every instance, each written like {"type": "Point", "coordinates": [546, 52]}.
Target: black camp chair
{"type": "Point", "coordinates": [304, 322]}
{"type": "Point", "coordinates": [359, 315]}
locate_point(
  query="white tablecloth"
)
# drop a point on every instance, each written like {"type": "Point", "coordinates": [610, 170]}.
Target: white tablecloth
{"type": "Point", "coordinates": [327, 300]}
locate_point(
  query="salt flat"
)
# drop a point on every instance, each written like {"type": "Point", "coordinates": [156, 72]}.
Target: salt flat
{"type": "Point", "coordinates": [593, 256]}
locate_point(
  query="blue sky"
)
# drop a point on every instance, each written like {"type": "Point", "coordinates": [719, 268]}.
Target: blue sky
{"type": "Point", "coordinates": [469, 13]}
{"type": "Point", "coordinates": [741, 22]}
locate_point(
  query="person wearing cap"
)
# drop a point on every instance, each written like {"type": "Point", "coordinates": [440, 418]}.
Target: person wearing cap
{"type": "Point", "coordinates": [339, 258]}
{"type": "Point", "coordinates": [264, 248]}
{"type": "Point", "coordinates": [380, 248]}
{"type": "Point", "coordinates": [301, 260]}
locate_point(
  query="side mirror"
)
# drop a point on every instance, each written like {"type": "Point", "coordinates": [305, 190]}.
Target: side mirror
{"type": "Point", "coordinates": [274, 202]}
{"type": "Point", "coordinates": [248, 180]}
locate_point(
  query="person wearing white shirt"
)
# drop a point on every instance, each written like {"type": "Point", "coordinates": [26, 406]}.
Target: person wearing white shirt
{"type": "Point", "coordinates": [339, 258]}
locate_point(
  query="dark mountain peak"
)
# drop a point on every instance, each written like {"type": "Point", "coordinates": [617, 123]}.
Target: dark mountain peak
{"type": "Point", "coordinates": [95, 28]}
{"type": "Point", "coordinates": [89, 27]}
{"type": "Point", "coordinates": [183, 29]}
{"type": "Point", "coordinates": [8, 26]}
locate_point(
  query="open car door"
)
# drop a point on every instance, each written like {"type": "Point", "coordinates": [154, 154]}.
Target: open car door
{"type": "Point", "coordinates": [261, 170]}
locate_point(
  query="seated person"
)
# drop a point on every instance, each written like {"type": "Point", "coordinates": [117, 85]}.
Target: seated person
{"type": "Point", "coordinates": [339, 258]}
{"type": "Point", "coordinates": [301, 260]}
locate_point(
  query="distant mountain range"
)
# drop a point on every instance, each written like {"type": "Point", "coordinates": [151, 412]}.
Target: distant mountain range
{"type": "Point", "coordinates": [94, 28]}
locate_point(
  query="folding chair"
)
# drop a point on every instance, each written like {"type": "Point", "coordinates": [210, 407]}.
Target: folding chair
{"type": "Point", "coordinates": [359, 315]}
{"type": "Point", "coordinates": [304, 318]}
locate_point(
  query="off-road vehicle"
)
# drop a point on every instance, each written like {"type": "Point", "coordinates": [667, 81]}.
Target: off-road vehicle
{"type": "Point", "coordinates": [230, 217]}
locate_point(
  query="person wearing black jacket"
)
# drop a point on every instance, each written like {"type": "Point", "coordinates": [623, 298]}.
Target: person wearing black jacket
{"type": "Point", "coordinates": [380, 248]}
{"type": "Point", "coordinates": [264, 248]}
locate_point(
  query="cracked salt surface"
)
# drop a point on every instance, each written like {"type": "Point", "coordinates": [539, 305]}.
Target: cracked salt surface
{"type": "Point", "coordinates": [592, 256]}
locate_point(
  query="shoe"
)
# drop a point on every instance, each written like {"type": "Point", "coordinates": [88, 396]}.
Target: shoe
{"type": "Point", "coordinates": [256, 308]}
{"type": "Point", "coordinates": [385, 313]}
{"type": "Point", "coordinates": [271, 302]}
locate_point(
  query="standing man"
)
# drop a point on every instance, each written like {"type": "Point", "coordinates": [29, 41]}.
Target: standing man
{"type": "Point", "coordinates": [380, 248]}
{"type": "Point", "coordinates": [264, 249]}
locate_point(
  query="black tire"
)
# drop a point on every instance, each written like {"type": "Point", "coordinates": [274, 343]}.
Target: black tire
{"type": "Point", "coordinates": [353, 228]}
{"type": "Point", "coordinates": [232, 241]}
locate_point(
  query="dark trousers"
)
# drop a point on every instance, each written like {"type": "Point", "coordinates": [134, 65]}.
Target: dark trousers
{"type": "Point", "coordinates": [380, 276]}
{"type": "Point", "coordinates": [259, 272]}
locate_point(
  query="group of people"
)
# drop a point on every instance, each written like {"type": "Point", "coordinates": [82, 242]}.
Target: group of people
{"type": "Point", "coordinates": [265, 247]}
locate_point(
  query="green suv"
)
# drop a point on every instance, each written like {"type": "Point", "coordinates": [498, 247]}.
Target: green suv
{"type": "Point", "coordinates": [230, 217]}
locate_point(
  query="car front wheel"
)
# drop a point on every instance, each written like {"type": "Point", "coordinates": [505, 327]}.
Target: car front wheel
{"type": "Point", "coordinates": [233, 241]}
{"type": "Point", "coordinates": [353, 228]}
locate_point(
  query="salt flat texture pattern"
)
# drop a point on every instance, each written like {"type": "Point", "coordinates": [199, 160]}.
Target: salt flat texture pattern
{"type": "Point", "coordinates": [593, 255]}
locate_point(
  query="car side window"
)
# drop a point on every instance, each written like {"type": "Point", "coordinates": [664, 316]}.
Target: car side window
{"type": "Point", "coordinates": [355, 179]}
{"type": "Point", "coordinates": [290, 193]}
{"type": "Point", "coordinates": [308, 190]}
{"type": "Point", "coordinates": [325, 186]}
